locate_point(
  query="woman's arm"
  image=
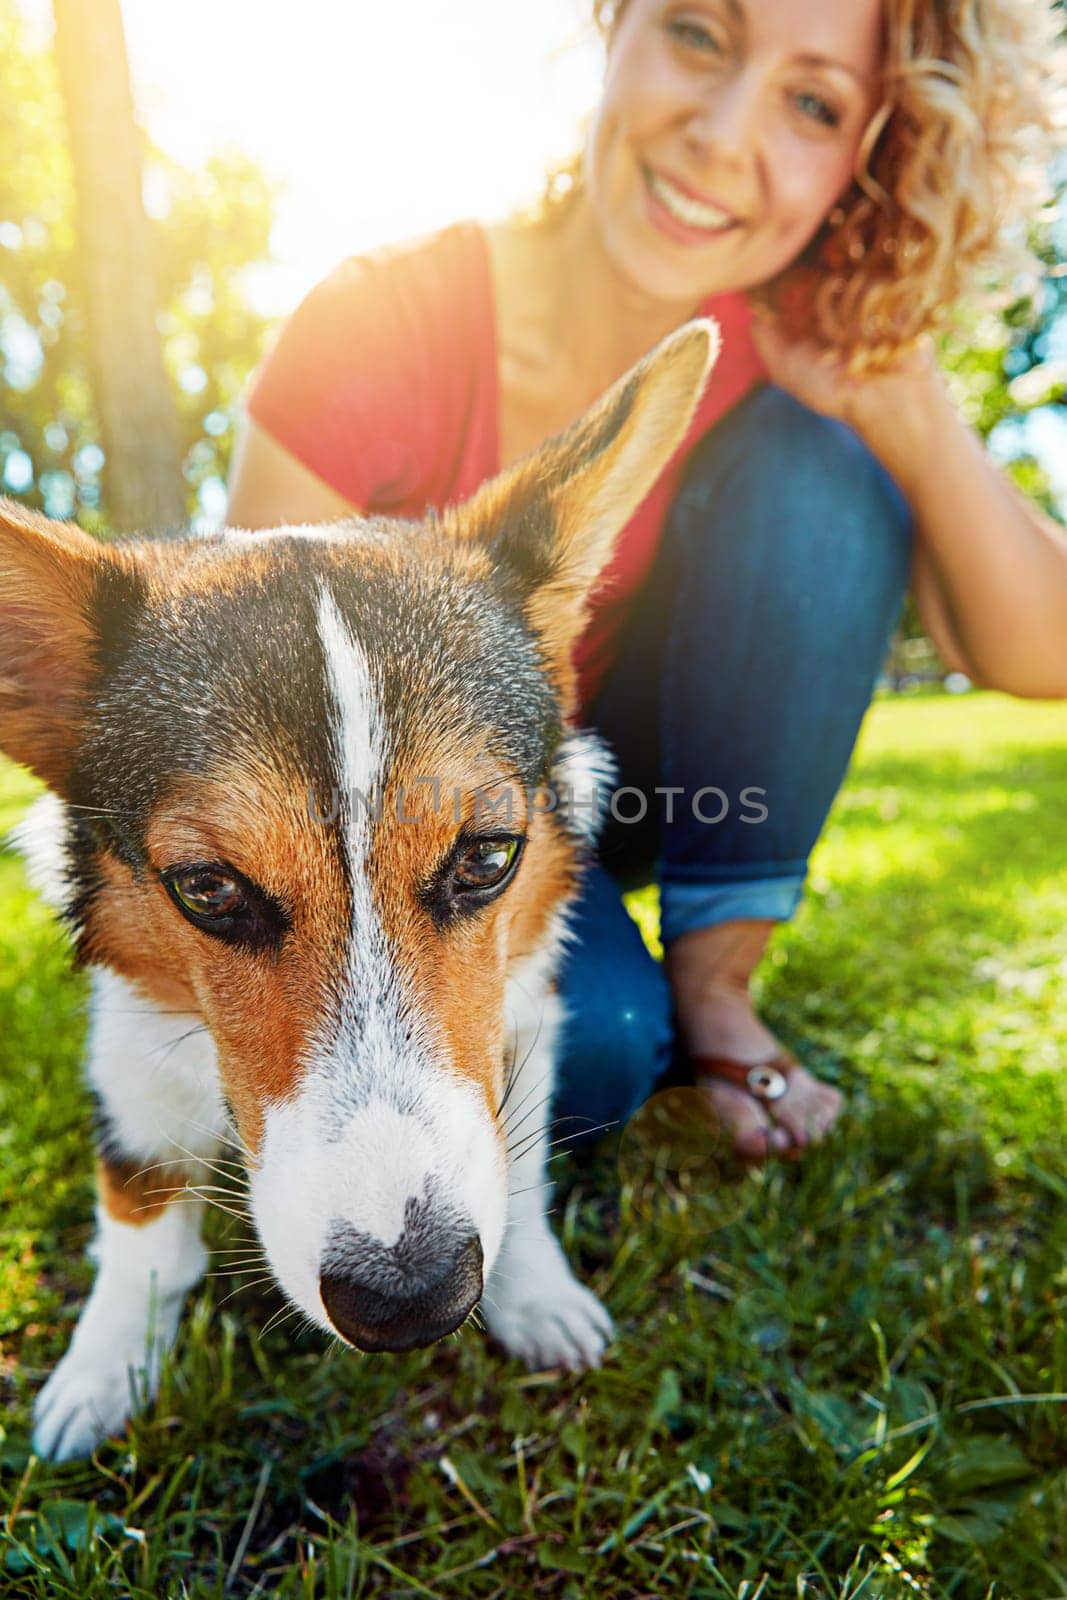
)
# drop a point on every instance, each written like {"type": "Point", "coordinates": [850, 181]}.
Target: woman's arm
{"type": "Point", "coordinates": [997, 562]}
{"type": "Point", "coordinates": [991, 568]}
{"type": "Point", "coordinates": [933, 612]}
{"type": "Point", "coordinates": [270, 488]}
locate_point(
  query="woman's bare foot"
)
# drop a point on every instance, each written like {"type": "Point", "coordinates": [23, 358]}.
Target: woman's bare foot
{"type": "Point", "coordinates": [710, 971]}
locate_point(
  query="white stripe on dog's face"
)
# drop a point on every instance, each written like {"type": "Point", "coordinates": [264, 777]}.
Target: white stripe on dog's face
{"type": "Point", "coordinates": [382, 1121]}
{"type": "Point", "coordinates": [358, 725]}
{"type": "Point", "coordinates": [371, 1005]}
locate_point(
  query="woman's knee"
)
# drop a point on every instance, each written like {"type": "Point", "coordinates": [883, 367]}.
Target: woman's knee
{"type": "Point", "coordinates": [793, 493]}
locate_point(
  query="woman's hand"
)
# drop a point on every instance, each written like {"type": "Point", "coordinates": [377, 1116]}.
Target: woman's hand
{"type": "Point", "coordinates": [885, 408]}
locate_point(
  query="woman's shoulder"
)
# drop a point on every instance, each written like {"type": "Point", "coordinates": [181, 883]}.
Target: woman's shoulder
{"type": "Point", "coordinates": [424, 297]}
{"type": "Point", "coordinates": [441, 267]}
{"type": "Point", "coordinates": [362, 382]}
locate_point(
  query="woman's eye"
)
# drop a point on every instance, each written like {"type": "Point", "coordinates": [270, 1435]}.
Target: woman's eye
{"type": "Point", "coordinates": [207, 893]}
{"type": "Point", "coordinates": [485, 865]}
{"type": "Point", "coordinates": [818, 109]}
{"type": "Point", "coordinates": [694, 35]}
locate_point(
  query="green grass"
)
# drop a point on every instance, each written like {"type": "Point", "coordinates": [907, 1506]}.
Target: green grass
{"type": "Point", "coordinates": [827, 1381]}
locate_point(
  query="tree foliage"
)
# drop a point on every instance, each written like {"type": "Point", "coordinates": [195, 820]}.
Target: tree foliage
{"type": "Point", "coordinates": [211, 224]}
{"type": "Point", "coordinates": [1005, 368]}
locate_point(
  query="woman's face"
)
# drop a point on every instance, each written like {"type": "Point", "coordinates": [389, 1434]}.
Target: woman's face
{"type": "Point", "coordinates": [727, 131]}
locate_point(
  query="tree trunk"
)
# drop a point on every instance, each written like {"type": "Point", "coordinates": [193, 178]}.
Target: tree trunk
{"type": "Point", "coordinates": [138, 418]}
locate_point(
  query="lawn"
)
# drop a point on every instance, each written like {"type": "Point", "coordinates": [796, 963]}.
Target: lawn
{"type": "Point", "coordinates": [843, 1378]}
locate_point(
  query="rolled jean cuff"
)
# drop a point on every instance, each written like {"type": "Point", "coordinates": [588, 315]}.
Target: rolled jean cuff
{"type": "Point", "coordinates": [684, 907]}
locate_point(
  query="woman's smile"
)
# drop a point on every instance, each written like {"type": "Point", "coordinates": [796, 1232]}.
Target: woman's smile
{"type": "Point", "coordinates": [682, 215]}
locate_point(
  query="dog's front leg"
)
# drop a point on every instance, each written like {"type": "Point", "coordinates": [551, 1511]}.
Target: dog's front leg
{"type": "Point", "coordinates": [533, 1302]}
{"type": "Point", "coordinates": [161, 1116]}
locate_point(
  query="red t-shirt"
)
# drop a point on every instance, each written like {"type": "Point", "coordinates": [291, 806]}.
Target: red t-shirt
{"type": "Point", "coordinates": [384, 382]}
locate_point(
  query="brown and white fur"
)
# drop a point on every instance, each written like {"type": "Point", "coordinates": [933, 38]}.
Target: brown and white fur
{"type": "Point", "coordinates": [348, 995]}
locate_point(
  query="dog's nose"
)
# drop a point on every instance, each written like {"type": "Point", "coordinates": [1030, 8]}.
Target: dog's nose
{"type": "Point", "coordinates": [376, 1307]}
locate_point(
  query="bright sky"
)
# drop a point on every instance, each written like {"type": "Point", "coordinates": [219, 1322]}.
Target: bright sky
{"type": "Point", "coordinates": [383, 119]}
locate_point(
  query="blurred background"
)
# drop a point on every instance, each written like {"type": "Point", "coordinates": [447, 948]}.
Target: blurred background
{"type": "Point", "coordinates": [268, 142]}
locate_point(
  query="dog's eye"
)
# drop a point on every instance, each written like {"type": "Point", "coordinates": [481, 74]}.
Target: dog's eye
{"type": "Point", "coordinates": [219, 901]}
{"type": "Point", "coordinates": [485, 865]}
{"type": "Point", "coordinates": [475, 872]}
{"type": "Point", "coordinates": [207, 892]}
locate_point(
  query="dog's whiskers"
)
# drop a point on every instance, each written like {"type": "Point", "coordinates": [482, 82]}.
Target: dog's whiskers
{"type": "Point", "coordinates": [256, 1283]}
{"type": "Point", "coordinates": [514, 1121]}
{"type": "Point", "coordinates": [564, 1139]}
{"type": "Point", "coordinates": [193, 1196]}
{"type": "Point", "coordinates": [512, 1133]}
{"type": "Point", "coordinates": [226, 1135]}
{"type": "Point", "coordinates": [97, 811]}
{"type": "Point", "coordinates": [511, 1071]}
{"type": "Point", "coordinates": [280, 1317]}
{"type": "Point", "coordinates": [533, 1045]}
{"type": "Point", "coordinates": [180, 1161]}
{"type": "Point", "coordinates": [232, 1267]}
{"type": "Point", "coordinates": [533, 1042]}
{"type": "Point", "coordinates": [165, 1051]}
{"type": "Point", "coordinates": [531, 1188]}
{"type": "Point", "coordinates": [512, 1127]}
{"type": "Point", "coordinates": [138, 1011]}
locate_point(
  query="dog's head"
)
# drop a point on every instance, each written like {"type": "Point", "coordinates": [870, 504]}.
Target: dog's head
{"type": "Point", "coordinates": [302, 772]}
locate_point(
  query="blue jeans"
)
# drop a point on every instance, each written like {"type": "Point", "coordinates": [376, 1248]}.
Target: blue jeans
{"type": "Point", "coordinates": [744, 673]}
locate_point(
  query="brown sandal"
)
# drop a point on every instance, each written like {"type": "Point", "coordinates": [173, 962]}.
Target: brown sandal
{"type": "Point", "coordinates": [764, 1080]}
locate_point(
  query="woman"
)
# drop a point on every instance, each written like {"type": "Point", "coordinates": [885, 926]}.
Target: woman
{"type": "Point", "coordinates": [827, 180]}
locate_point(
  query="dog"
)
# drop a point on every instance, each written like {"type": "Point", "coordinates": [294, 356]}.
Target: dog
{"type": "Point", "coordinates": [275, 765]}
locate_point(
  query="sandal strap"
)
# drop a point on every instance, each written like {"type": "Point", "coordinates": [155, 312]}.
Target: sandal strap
{"type": "Point", "coordinates": [764, 1080]}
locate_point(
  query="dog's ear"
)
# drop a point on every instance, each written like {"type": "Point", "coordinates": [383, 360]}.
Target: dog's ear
{"type": "Point", "coordinates": [55, 585]}
{"type": "Point", "coordinates": [551, 522]}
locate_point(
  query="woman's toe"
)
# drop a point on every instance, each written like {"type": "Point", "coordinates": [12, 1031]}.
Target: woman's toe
{"type": "Point", "coordinates": [808, 1109]}
{"type": "Point", "coordinates": [743, 1119]}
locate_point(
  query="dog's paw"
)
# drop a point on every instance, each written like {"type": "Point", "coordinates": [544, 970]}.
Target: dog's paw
{"type": "Point", "coordinates": [543, 1315]}
{"type": "Point", "coordinates": [87, 1398]}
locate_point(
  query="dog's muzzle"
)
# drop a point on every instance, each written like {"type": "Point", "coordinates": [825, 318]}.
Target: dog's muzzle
{"type": "Point", "coordinates": [405, 1295]}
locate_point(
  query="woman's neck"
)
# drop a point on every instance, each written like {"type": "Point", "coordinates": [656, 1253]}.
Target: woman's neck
{"type": "Point", "coordinates": [602, 318]}
{"type": "Point", "coordinates": [565, 305]}
{"type": "Point", "coordinates": [568, 325]}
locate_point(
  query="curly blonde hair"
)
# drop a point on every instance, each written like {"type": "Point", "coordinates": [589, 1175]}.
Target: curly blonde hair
{"type": "Point", "coordinates": [952, 167]}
